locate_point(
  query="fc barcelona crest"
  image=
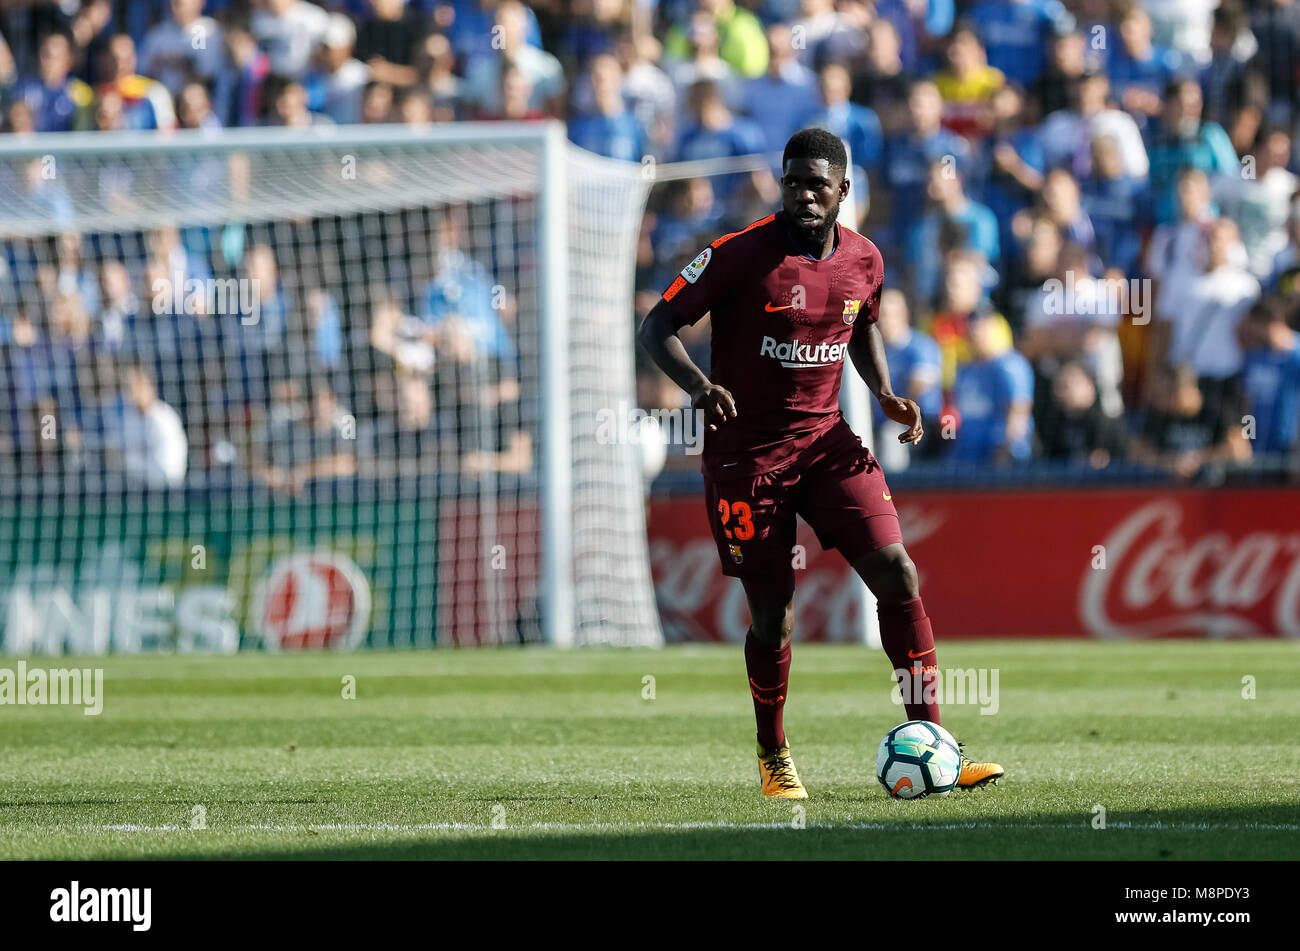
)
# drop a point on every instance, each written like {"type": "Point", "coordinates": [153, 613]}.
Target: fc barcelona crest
{"type": "Point", "coordinates": [736, 555]}
{"type": "Point", "coordinates": [851, 310]}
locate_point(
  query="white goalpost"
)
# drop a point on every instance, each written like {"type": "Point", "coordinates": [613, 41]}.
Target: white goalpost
{"type": "Point", "coordinates": [329, 387]}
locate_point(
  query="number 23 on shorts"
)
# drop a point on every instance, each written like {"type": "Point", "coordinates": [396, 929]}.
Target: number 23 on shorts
{"type": "Point", "coordinates": [744, 528]}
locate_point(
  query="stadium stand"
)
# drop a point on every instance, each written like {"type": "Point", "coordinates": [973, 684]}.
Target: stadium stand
{"type": "Point", "coordinates": [1089, 212]}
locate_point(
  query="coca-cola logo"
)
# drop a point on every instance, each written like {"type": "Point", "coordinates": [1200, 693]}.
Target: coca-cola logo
{"type": "Point", "coordinates": [1159, 582]}
{"type": "Point", "coordinates": [1125, 564]}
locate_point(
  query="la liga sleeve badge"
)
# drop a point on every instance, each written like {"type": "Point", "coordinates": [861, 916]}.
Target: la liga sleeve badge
{"type": "Point", "coordinates": [693, 270]}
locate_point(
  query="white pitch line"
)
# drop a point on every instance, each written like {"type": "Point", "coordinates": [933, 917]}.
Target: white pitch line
{"type": "Point", "coordinates": [703, 825]}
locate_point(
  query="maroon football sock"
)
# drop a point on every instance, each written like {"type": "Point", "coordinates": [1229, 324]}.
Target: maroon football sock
{"type": "Point", "coordinates": [908, 640]}
{"type": "Point", "coordinates": [769, 671]}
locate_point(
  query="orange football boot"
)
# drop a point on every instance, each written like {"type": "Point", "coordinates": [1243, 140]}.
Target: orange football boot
{"type": "Point", "coordinates": [776, 770]}
{"type": "Point", "coordinates": [973, 774]}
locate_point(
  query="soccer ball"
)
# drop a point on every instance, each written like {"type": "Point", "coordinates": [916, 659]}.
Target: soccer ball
{"type": "Point", "coordinates": [918, 758]}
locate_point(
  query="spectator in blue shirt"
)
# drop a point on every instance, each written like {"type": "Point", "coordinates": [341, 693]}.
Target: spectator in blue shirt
{"type": "Point", "coordinates": [510, 41]}
{"type": "Point", "coordinates": [917, 31]}
{"type": "Point", "coordinates": [40, 192]}
{"type": "Point", "coordinates": [1271, 377]}
{"type": "Point", "coordinates": [781, 100]}
{"type": "Point", "coordinates": [915, 367]}
{"type": "Point", "coordinates": [908, 157]}
{"type": "Point", "coordinates": [713, 132]}
{"type": "Point", "coordinates": [857, 125]}
{"type": "Point", "coordinates": [691, 216]}
{"type": "Point", "coordinates": [589, 32]}
{"type": "Point", "coordinates": [952, 222]}
{"type": "Point", "coordinates": [58, 101]}
{"type": "Point", "coordinates": [1284, 275]}
{"type": "Point", "coordinates": [1061, 200]}
{"type": "Point", "coordinates": [1009, 162]}
{"type": "Point", "coordinates": [1139, 70]}
{"type": "Point", "coordinates": [1067, 134]}
{"type": "Point", "coordinates": [462, 292]}
{"type": "Point", "coordinates": [1017, 33]}
{"type": "Point", "coordinates": [1181, 138]}
{"type": "Point", "coordinates": [612, 130]}
{"type": "Point", "coordinates": [1116, 204]}
{"type": "Point", "coordinates": [882, 82]}
{"type": "Point", "coordinates": [1224, 79]}
{"type": "Point", "coordinates": [326, 329]}
{"type": "Point", "coordinates": [471, 28]}
{"type": "Point", "coordinates": [172, 51]}
{"type": "Point", "coordinates": [337, 84]}
{"type": "Point", "coordinates": [994, 396]}
{"type": "Point", "coordinates": [1276, 26]}
{"type": "Point", "coordinates": [23, 347]}
{"type": "Point", "coordinates": [1070, 61]}
{"type": "Point", "coordinates": [273, 304]}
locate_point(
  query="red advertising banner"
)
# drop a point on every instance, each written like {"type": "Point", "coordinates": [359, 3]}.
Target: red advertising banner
{"type": "Point", "coordinates": [1133, 563]}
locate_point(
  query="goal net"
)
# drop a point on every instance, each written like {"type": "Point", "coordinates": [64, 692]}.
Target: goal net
{"type": "Point", "coordinates": [326, 388]}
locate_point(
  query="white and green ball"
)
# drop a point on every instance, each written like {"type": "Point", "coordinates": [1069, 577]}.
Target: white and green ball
{"type": "Point", "coordinates": [918, 758]}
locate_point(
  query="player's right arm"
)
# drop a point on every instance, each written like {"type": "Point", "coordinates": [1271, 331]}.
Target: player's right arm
{"type": "Point", "coordinates": [659, 337]}
{"type": "Point", "coordinates": [685, 302]}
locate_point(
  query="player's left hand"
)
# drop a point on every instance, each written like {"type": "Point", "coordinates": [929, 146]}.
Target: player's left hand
{"type": "Point", "coordinates": [906, 412]}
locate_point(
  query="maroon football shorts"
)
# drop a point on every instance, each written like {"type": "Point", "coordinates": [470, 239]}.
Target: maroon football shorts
{"type": "Point", "coordinates": [835, 485]}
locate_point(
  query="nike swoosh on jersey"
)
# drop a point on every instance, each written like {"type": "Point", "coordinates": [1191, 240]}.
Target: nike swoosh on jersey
{"type": "Point", "coordinates": [770, 309]}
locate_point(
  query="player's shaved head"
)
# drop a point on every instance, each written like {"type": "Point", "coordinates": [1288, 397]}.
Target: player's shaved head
{"type": "Point", "coordinates": [813, 183]}
{"type": "Point", "coordinates": [817, 144]}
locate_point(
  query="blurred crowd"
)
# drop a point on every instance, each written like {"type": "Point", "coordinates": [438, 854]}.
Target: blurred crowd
{"type": "Point", "coordinates": [1089, 210]}
{"type": "Point", "coordinates": [239, 361]}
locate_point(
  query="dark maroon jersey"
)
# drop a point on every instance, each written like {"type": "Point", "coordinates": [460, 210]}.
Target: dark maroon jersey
{"type": "Point", "coordinates": [781, 323]}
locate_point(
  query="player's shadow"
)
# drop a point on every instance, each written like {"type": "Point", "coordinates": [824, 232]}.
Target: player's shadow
{"type": "Point", "coordinates": [1263, 832]}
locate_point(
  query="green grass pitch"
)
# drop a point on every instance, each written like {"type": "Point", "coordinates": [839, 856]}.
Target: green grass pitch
{"type": "Point", "coordinates": [541, 754]}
